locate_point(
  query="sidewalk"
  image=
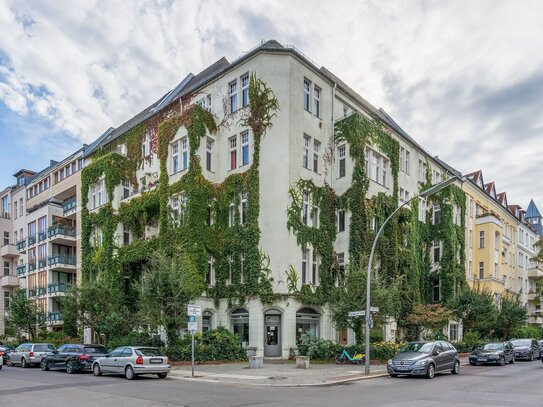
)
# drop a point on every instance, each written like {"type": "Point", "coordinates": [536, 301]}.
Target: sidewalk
{"type": "Point", "coordinates": [277, 373]}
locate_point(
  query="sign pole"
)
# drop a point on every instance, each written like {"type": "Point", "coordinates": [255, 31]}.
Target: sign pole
{"type": "Point", "coordinates": [192, 353]}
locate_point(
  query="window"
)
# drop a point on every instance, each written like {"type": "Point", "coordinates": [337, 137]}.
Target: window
{"type": "Point", "coordinates": [436, 294]}
{"type": "Point", "coordinates": [404, 195]}
{"type": "Point", "coordinates": [233, 141]}
{"type": "Point", "coordinates": [209, 153]}
{"type": "Point", "coordinates": [6, 268]}
{"type": "Point", "coordinates": [496, 241]}
{"type": "Point", "coordinates": [341, 220]}
{"type": "Point", "coordinates": [126, 235]}
{"type": "Point", "coordinates": [422, 171]}
{"type": "Point", "coordinates": [436, 251]}
{"type": "Point", "coordinates": [175, 211]}
{"type": "Point", "coordinates": [185, 152]}
{"type": "Point", "coordinates": [244, 204]}
{"type": "Point", "coordinates": [378, 167]}
{"type": "Point", "coordinates": [242, 268]}
{"type": "Point", "coordinates": [231, 215]}
{"type": "Point", "coordinates": [21, 213]}
{"type": "Point", "coordinates": [307, 143]}
{"type": "Point", "coordinates": [183, 211]}
{"type": "Point", "coordinates": [481, 239]}
{"type": "Point", "coordinates": [305, 256]}
{"type": "Point", "coordinates": [405, 160]}
{"type": "Point", "coordinates": [520, 260]}
{"type": "Point", "coordinates": [307, 95]}
{"type": "Point", "coordinates": [175, 157]}
{"type": "Point", "coordinates": [314, 212]}
{"type": "Point", "coordinates": [230, 261]}
{"type": "Point", "coordinates": [244, 90]}
{"type": "Point", "coordinates": [470, 270]}
{"type": "Point", "coordinates": [210, 276]}
{"type": "Point", "coordinates": [245, 148]}
{"type": "Point", "coordinates": [101, 197]}
{"type": "Point", "coordinates": [436, 215]}
{"type": "Point", "coordinates": [341, 152]}
{"type": "Point", "coordinates": [436, 177]}
{"type": "Point", "coordinates": [316, 155]}
{"type": "Point", "coordinates": [315, 268]}
{"type": "Point", "coordinates": [305, 207]}
{"type": "Point", "coordinates": [15, 211]}
{"type": "Point", "coordinates": [126, 188]}
{"type": "Point", "coordinates": [481, 269]}
{"type": "Point", "coordinates": [470, 238]}
{"type": "Point", "coordinates": [6, 238]}
{"type": "Point", "coordinates": [233, 96]}
{"type": "Point", "coordinates": [341, 269]}
{"type": "Point", "coordinates": [317, 101]}
{"type": "Point", "coordinates": [422, 210]}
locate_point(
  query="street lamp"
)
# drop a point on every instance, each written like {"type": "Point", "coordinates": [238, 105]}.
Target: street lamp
{"type": "Point", "coordinates": [430, 191]}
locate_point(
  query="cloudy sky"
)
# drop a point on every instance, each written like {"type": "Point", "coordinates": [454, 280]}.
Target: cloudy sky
{"type": "Point", "coordinates": [464, 78]}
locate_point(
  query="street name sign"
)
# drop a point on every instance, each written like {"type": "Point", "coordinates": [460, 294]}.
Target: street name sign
{"type": "Point", "coordinates": [194, 310]}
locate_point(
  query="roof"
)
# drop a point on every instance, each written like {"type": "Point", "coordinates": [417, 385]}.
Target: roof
{"type": "Point", "coordinates": [532, 211]}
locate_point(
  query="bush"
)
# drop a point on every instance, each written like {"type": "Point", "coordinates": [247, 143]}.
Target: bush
{"type": "Point", "coordinates": [317, 349]}
{"type": "Point", "coordinates": [215, 344]}
{"type": "Point", "coordinates": [527, 332]}
{"type": "Point", "coordinates": [136, 339]}
{"type": "Point", "coordinates": [464, 347]}
{"type": "Point", "coordinates": [57, 338]}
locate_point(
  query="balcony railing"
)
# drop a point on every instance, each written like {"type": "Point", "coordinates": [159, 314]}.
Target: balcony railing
{"type": "Point", "coordinates": [31, 240]}
{"type": "Point", "coordinates": [62, 259]}
{"type": "Point", "coordinates": [58, 288]}
{"type": "Point", "coordinates": [42, 263]}
{"type": "Point", "coordinates": [21, 244]}
{"type": "Point", "coordinates": [4, 215]}
{"type": "Point", "coordinates": [70, 205]}
{"type": "Point", "coordinates": [54, 316]}
{"type": "Point", "coordinates": [31, 293]}
{"type": "Point", "coordinates": [42, 236]}
{"type": "Point", "coordinates": [31, 267]}
{"type": "Point", "coordinates": [61, 230]}
{"type": "Point", "coordinates": [42, 290]}
{"type": "Point", "coordinates": [21, 270]}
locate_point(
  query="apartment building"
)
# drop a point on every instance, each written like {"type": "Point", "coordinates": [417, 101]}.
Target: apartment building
{"type": "Point", "coordinates": [299, 146]}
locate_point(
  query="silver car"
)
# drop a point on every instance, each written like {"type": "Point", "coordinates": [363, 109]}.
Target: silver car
{"type": "Point", "coordinates": [28, 354]}
{"type": "Point", "coordinates": [132, 361]}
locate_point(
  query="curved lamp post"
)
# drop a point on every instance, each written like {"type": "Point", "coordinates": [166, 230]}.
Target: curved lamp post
{"type": "Point", "coordinates": [430, 191]}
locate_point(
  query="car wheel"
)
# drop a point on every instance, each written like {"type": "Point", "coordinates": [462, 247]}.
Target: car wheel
{"type": "Point", "coordinates": [8, 362]}
{"type": "Point", "coordinates": [96, 370]}
{"type": "Point", "coordinates": [531, 357]}
{"type": "Point", "coordinates": [512, 361]}
{"type": "Point", "coordinates": [502, 361]}
{"type": "Point", "coordinates": [70, 368]}
{"type": "Point", "coordinates": [44, 365]}
{"type": "Point", "coordinates": [431, 371]}
{"type": "Point", "coordinates": [393, 375]}
{"type": "Point", "coordinates": [162, 375]}
{"type": "Point", "coordinates": [129, 373]}
{"type": "Point", "coordinates": [24, 363]}
{"type": "Point", "coordinates": [473, 363]}
{"type": "Point", "coordinates": [456, 368]}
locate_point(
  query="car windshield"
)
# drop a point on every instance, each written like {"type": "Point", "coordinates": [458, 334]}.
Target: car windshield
{"type": "Point", "coordinates": [148, 352]}
{"type": "Point", "coordinates": [421, 347]}
{"type": "Point", "coordinates": [44, 348]}
{"type": "Point", "coordinates": [95, 349]}
{"type": "Point", "coordinates": [491, 346]}
{"type": "Point", "coordinates": [522, 342]}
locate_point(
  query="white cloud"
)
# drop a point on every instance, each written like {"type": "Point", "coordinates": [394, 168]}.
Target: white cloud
{"type": "Point", "coordinates": [451, 73]}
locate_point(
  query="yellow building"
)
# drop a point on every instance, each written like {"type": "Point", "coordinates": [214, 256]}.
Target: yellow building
{"type": "Point", "coordinates": [491, 233]}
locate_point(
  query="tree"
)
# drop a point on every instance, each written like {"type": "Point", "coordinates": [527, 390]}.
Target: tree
{"type": "Point", "coordinates": [24, 315]}
{"type": "Point", "coordinates": [168, 284]}
{"type": "Point", "coordinates": [477, 310]}
{"type": "Point", "coordinates": [430, 316]}
{"type": "Point", "coordinates": [512, 315]}
{"type": "Point", "coordinates": [352, 297]}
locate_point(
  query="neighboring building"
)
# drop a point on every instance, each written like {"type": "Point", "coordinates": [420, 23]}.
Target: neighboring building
{"type": "Point", "coordinates": [533, 216]}
{"type": "Point", "coordinates": [298, 147]}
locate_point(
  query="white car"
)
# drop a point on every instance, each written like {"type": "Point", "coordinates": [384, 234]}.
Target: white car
{"type": "Point", "coordinates": [132, 361]}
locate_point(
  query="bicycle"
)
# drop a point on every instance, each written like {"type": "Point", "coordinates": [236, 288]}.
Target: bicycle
{"type": "Point", "coordinates": [342, 357]}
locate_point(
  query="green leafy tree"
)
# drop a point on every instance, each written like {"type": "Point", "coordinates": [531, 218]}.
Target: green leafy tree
{"type": "Point", "coordinates": [24, 315]}
{"type": "Point", "coordinates": [168, 284]}
{"type": "Point", "coordinates": [477, 310]}
{"type": "Point", "coordinates": [429, 316]}
{"type": "Point", "coordinates": [512, 315]}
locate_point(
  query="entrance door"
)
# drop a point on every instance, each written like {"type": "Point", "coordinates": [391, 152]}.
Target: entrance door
{"type": "Point", "coordinates": [272, 336]}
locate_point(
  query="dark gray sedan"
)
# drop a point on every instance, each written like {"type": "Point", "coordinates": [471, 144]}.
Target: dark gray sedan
{"type": "Point", "coordinates": [424, 359]}
{"type": "Point", "coordinates": [132, 361]}
{"type": "Point", "coordinates": [498, 353]}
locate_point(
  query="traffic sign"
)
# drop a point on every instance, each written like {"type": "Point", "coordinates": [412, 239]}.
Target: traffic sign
{"type": "Point", "coordinates": [192, 318]}
{"type": "Point", "coordinates": [357, 313]}
{"type": "Point", "coordinates": [192, 326]}
{"type": "Point", "coordinates": [194, 310]}
{"type": "Point", "coordinates": [374, 309]}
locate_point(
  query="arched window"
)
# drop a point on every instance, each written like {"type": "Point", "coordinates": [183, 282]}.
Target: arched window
{"type": "Point", "coordinates": [206, 321]}
{"type": "Point", "coordinates": [239, 319]}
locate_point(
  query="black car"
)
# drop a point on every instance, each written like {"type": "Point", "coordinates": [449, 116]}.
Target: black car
{"type": "Point", "coordinates": [5, 350]}
{"type": "Point", "coordinates": [73, 357]}
{"type": "Point", "coordinates": [526, 349]}
{"type": "Point", "coordinates": [424, 359]}
{"type": "Point", "coordinates": [498, 353]}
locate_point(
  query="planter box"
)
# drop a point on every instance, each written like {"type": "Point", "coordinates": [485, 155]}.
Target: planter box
{"type": "Point", "coordinates": [256, 362]}
{"type": "Point", "coordinates": [302, 362]}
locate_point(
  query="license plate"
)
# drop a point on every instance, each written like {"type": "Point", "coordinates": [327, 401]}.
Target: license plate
{"type": "Point", "coordinates": [403, 368]}
{"type": "Point", "coordinates": [156, 360]}
{"type": "Point", "coordinates": [483, 359]}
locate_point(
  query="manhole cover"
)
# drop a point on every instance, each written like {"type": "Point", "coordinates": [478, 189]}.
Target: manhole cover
{"type": "Point", "coordinates": [278, 378]}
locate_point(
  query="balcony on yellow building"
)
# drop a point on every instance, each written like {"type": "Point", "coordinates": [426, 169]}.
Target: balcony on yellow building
{"type": "Point", "coordinates": [488, 217]}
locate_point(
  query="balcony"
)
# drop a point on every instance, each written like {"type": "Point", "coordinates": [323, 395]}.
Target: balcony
{"type": "Point", "coordinates": [535, 272]}
{"type": "Point", "coordinates": [31, 293]}
{"type": "Point", "coordinates": [535, 319]}
{"type": "Point", "coordinates": [21, 270]}
{"type": "Point", "coordinates": [42, 236]}
{"type": "Point", "coordinates": [9, 250]}
{"type": "Point", "coordinates": [532, 295]}
{"type": "Point", "coordinates": [31, 240]}
{"type": "Point", "coordinates": [62, 235]}
{"type": "Point", "coordinates": [62, 262]}
{"type": "Point", "coordinates": [488, 218]}
{"type": "Point", "coordinates": [9, 281]}
{"type": "Point", "coordinates": [58, 288]}
{"type": "Point", "coordinates": [4, 215]}
{"type": "Point", "coordinates": [32, 266]}
{"type": "Point", "coordinates": [42, 291]}
{"type": "Point", "coordinates": [70, 208]}
{"type": "Point", "coordinates": [54, 317]}
{"type": "Point", "coordinates": [42, 263]}
{"type": "Point", "coordinates": [21, 245]}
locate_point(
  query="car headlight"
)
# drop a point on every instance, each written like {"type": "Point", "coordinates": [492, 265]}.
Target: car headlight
{"type": "Point", "coordinates": [422, 362]}
{"type": "Point", "coordinates": [390, 362]}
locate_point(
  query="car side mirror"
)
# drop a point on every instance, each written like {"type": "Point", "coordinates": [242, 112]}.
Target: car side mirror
{"type": "Point", "coordinates": [436, 352]}
{"type": "Point", "coordinates": [107, 355]}
{"type": "Point", "coordinates": [55, 352]}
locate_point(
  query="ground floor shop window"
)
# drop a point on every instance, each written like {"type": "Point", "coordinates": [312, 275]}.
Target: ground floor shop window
{"type": "Point", "coordinates": [206, 321]}
{"type": "Point", "coordinates": [307, 321]}
{"type": "Point", "coordinates": [240, 325]}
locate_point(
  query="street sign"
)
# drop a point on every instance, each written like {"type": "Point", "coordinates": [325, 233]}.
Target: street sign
{"type": "Point", "coordinates": [194, 310]}
{"type": "Point", "coordinates": [192, 318]}
{"type": "Point", "coordinates": [357, 314]}
{"type": "Point", "coordinates": [374, 309]}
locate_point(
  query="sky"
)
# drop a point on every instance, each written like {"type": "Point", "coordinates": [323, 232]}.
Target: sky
{"type": "Point", "coordinates": [464, 78]}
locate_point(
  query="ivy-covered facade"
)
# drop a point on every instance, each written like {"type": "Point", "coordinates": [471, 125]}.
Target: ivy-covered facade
{"type": "Point", "coordinates": [271, 177]}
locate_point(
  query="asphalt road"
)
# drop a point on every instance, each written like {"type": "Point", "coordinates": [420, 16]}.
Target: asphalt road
{"type": "Point", "coordinates": [512, 385]}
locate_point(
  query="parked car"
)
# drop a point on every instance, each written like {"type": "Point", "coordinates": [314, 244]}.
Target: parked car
{"type": "Point", "coordinates": [132, 361]}
{"type": "Point", "coordinates": [424, 359]}
{"type": "Point", "coordinates": [526, 349]}
{"type": "Point", "coordinates": [495, 352]}
{"type": "Point", "coordinates": [28, 354]}
{"type": "Point", "coordinates": [5, 350]}
{"type": "Point", "coordinates": [73, 357]}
